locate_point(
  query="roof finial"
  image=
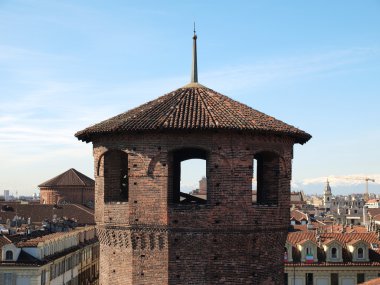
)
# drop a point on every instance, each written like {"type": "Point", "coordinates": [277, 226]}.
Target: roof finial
{"type": "Point", "coordinates": [194, 67]}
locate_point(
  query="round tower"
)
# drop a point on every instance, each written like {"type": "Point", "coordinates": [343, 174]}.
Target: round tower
{"type": "Point", "coordinates": [151, 232]}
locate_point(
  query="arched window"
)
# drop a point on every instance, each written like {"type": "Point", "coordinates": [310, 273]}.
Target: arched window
{"type": "Point", "coordinates": [9, 255]}
{"type": "Point", "coordinates": [360, 252]}
{"type": "Point", "coordinates": [266, 172]}
{"type": "Point", "coordinates": [177, 165]}
{"type": "Point", "coordinates": [115, 171]}
{"type": "Point", "coordinates": [334, 252]}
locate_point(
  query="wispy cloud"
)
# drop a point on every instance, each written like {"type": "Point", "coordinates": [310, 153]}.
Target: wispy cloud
{"type": "Point", "coordinates": [343, 180]}
{"type": "Point", "coordinates": [41, 109]}
{"type": "Point", "coordinates": [254, 74]}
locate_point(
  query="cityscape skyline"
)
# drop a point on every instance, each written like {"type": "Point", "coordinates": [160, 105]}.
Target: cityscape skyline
{"type": "Point", "coordinates": [68, 65]}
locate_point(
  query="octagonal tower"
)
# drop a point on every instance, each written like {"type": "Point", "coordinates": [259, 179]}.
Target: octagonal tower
{"type": "Point", "coordinates": [153, 233]}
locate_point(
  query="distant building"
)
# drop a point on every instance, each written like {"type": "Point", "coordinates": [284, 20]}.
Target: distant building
{"type": "Point", "coordinates": [61, 258]}
{"type": "Point", "coordinates": [373, 219]}
{"type": "Point", "coordinates": [344, 209]}
{"type": "Point", "coordinates": [298, 218]}
{"type": "Point", "coordinates": [313, 258]}
{"type": "Point", "coordinates": [70, 187]}
{"type": "Point", "coordinates": [327, 196]}
{"type": "Point", "coordinates": [201, 192]}
{"type": "Point", "coordinates": [6, 195]}
{"type": "Point", "coordinates": [373, 203]}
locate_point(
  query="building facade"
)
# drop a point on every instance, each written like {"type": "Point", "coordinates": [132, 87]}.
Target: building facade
{"type": "Point", "coordinates": [68, 258]}
{"type": "Point", "coordinates": [313, 258]}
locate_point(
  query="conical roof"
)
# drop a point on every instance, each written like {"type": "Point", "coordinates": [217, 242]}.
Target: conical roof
{"type": "Point", "coordinates": [193, 107]}
{"type": "Point", "coordinates": [70, 177]}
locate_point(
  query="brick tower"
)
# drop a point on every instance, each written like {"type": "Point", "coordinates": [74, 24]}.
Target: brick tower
{"type": "Point", "coordinates": [151, 232]}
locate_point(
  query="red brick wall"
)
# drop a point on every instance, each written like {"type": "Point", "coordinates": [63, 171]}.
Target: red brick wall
{"type": "Point", "coordinates": [150, 240]}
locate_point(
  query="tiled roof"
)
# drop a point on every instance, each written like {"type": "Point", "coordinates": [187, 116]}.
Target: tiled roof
{"type": "Point", "coordinates": [298, 215]}
{"type": "Point", "coordinates": [345, 239]}
{"type": "Point", "coordinates": [40, 212]}
{"type": "Point", "coordinates": [3, 241]}
{"type": "Point", "coordinates": [193, 107]}
{"type": "Point", "coordinates": [70, 177]}
{"type": "Point", "coordinates": [373, 211]}
{"type": "Point", "coordinates": [370, 237]}
{"type": "Point", "coordinates": [372, 282]}
{"type": "Point", "coordinates": [329, 241]}
{"type": "Point", "coordinates": [35, 241]}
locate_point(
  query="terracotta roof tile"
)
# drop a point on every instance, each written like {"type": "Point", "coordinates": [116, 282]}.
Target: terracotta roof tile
{"type": "Point", "coordinates": [372, 282]}
{"type": "Point", "coordinates": [298, 215]}
{"type": "Point", "coordinates": [373, 211]}
{"type": "Point", "coordinates": [70, 177]}
{"type": "Point", "coordinates": [193, 108]}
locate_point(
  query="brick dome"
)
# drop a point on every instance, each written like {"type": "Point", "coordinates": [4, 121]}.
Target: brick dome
{"type": "Point", "coordinates": [193, 107]}
{"type": "Point", "coordinates": [68, 187]}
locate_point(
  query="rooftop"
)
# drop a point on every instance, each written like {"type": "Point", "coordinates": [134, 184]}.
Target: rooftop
{"type": "Point", "coordinates": [193, 107]}
{"type": "Point", "coordinates": [70, 177]}
{"type": "Point", "coordinates": [40, 212]}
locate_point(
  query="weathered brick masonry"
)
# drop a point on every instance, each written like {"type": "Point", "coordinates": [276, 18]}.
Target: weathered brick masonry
{"type": "Point", "coordinates": [150, 232]}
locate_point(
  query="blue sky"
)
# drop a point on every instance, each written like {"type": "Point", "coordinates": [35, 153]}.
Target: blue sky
{"type": "Point", "coordinates": [67, 64]}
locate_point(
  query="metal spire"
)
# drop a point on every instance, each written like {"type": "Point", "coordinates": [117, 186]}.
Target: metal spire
{"type": "Point", "coordinates": [194, 67]}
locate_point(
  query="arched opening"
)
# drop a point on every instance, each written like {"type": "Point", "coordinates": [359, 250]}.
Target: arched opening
{"type": "Point", "coordinates": [360, 253]}
{"type": "Point", "coordinates": [334, 252]}
{"type": "Point", "coordinates": [115, 171]}
{"type": "Point", "coordinates": [186, 163]}
{"type": "Point", "coordinates": [9, 255]}
{"type": "Point", "coordinates": [266, 174]}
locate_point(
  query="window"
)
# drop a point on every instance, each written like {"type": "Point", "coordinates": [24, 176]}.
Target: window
{"type": "Point", "coordinates": [309, 251]}
{"type": "Point", "coordinates": [177, 170]}
{"type": "Point", "coordinates": [334, 253]}
{"type": "Point", "coordinates": [43, 277]}
{"type": "Point", "coordinates": [285, 254]}
{"type": "Point", "coordinates": [309, 279]}
{"type": "Point", "coordinates": [115, 171]}
{"type": "Point", "coordinates": [9, 255]}
{"type": "Point", "coordinates": [8, 278]}
{"type": "Point", "coordinates": [286, 279]}
{"type": "Point", "coordinates": [334, 278]}
{"type": "Point", "coordinates": [266, 174]}
{"type": "Point", "coordinates": [360, 278]}
{"type": "Point", "coordinates": [360, 253]}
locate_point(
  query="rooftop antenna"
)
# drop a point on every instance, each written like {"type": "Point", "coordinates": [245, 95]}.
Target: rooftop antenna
{"type": "Point", "coordinates": [194, 66]}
